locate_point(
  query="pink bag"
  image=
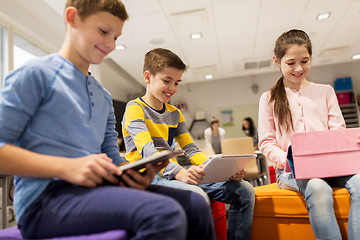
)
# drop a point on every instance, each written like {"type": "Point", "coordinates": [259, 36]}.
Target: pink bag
{"type": "Point", "coordinates": [324, 154]}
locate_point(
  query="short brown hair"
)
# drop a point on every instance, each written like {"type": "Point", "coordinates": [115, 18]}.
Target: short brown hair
{"type": "Point", "coordinates": [159, 58]}
{"type": "Point", "coordinates": [88, 7]}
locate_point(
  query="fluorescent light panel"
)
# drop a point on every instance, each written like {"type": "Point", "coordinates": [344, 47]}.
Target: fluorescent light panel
{"type": "Point", "coordinates": [120, 47]}
{"type": "Point", "coordinates": [323, 16]}
{"type": "Point", "coordinates": [356, 57]}
{"type": "Point", "coordinates": [196, 35]}
{"type": "Point", "coordinates": [209, 76]}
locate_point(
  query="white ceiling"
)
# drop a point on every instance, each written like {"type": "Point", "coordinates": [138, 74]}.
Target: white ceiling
{"type": "Point", "coordinates": [234, 32]}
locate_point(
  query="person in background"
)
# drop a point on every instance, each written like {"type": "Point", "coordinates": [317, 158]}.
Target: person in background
{"type": "Point", "coordinates": [250, 131]}
{"type": "Point", "coordinates": [151, 125]}
{"type": "Point", "coordinates": [296, 105]}
{"type": "Point", "coordinates": [214, 135]}
{"type": "Point", "coordinates": [57, 136]}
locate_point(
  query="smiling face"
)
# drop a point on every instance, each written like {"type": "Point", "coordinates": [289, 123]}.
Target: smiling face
{"type": "Point", "coordinates": [98, 34]}
{"type": "Point", "coordinates": [294, 65]}
{"type": "Point", "coordinates": [161, 86]}
{"type": "Point", "coordinates": [91, 39]}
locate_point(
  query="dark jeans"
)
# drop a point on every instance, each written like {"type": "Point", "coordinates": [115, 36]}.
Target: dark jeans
{"type": "Point", "coordinates": [240, 196]}
{"type": "Point", "coordinates": [64, 209]}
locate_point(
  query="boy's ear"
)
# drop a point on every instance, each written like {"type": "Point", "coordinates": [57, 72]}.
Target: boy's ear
{"type": "Point", "coordinates": [276, 60]}
{"type": "Point", "coordinates": [147, 77]}
{"type": "Point", "coordinates": [70, 15]}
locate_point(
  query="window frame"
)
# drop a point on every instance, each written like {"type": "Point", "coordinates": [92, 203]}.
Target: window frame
{"type": "Point", "coordinates": [7, 63]}
{"type": "Point", "coordinates": [11, 29]}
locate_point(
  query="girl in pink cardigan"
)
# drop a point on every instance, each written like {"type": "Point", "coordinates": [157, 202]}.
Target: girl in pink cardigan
{"type": "Point", "coordinates": [297, 105]}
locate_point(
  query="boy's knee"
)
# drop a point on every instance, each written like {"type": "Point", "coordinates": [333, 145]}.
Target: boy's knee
{"type": "Point", "coordinates": [163, 218]}
{"type": "Point", "coordinates": [250, 189]}
{"type": "Point", "coordinates": [171, 209]}
{"type": "Point", "coordinates": [247, 191]}
{"type": "Point", "coordinates": [201, 202]}
{"type": "Point", "coordinates": [199, 191]}
{"type": "Point", "coordinates": [161, 208]}
{"type": "Point", "coordinates": [243, 193]}
{"type": "Point", "coordinates": [203, 195]}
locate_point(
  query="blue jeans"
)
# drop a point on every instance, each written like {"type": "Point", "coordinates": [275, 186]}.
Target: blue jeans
{"type": "Point", "coordinates": [318, 194]}
{"type": "Point", "coordinates": [240, 196]}
{"type": "Point", "coordinates": [64, 209]}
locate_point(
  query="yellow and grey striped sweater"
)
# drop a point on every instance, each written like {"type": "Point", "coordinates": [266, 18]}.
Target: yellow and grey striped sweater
{"type": "Point", "coordinates": [147, 131]}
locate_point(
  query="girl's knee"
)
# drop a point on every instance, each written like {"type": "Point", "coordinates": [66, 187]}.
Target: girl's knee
{"type": "Point", "coordinates": [353, 186]}
{"type": "Point", "coordinates": [355, 181]}
{"type": "Point", "coordinates": [318, 186]}
{"type": "Point", "coordinates": [319, 193]}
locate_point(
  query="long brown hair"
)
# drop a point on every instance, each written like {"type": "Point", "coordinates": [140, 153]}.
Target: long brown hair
{"type": "Point", "coordinates": [278, 94]}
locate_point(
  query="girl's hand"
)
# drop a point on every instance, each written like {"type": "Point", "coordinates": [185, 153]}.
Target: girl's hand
{"type": "Point", "coordinates": [238, 176]}
{"type": "Point", "coordinates": [192, 176]}
{"type": "Point", "coordinates": [135, 179]}
{"type": "Point", "coordinates": [91, 170]}
{"type": "Point", "coordinates": [358, 141]}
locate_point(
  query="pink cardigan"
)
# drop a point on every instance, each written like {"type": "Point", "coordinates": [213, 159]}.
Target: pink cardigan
{"type": "Point", "coordinates": [314, 108]}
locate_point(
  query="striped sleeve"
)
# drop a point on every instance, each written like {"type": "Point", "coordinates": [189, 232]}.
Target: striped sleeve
{"type": "Point", "coordinates": [137, 138]}
{"type": "Point", "coordinates": [187, 144]}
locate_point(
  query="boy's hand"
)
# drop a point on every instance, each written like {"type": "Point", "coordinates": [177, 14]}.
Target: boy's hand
{"type": "Point", "coordinates": [238, 176]}
{"type": "Point", "coordinates": [135, 179]}
{"type": "Point", "coordinates": [91, 170]}
{"type": "Point", "coordinates": [192, 176]}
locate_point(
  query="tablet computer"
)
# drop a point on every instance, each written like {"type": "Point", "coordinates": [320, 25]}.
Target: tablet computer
{"type": "Point", "coordinates": [153, 159]}
{"type": "Point", "coordinates": [140, 164]}
{"type": "Point", "coordinates": [221, 167]}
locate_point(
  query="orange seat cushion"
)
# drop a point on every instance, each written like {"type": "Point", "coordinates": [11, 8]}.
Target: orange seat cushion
{"type": "Point", "coordinates": [282, 214]}
{"type": "Point", "coordinates": [271, 201]}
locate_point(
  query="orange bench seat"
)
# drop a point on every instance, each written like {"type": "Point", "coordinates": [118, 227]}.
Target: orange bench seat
{"type": "Point", "coordinates": [282, 214]}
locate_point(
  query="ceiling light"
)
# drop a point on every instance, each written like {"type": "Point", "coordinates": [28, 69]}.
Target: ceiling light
{"type": "Point", "coordinates": [195, 35]}
{"type": "Point", "coordinates": [323, 16]}
{"type": "Point", "coordinates": [209, 76]}
{"type": "Point", "coordinates": [157, 41]}
{"type": "Point", "coordinates": [356, 57]}
{"type": "Point", "coordinates": [120, 47]}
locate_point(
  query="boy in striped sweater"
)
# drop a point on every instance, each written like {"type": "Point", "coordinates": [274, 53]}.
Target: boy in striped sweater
{"type": "Point", "coordinates": [151, 125]}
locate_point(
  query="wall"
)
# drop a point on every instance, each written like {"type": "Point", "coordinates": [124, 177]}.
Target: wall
{"type": "Point", "coordinates": [47, 38]}
{"type": "Point", "coordinates": [43, 34]}
{"type": "Point", "coordinates": [118, 82]}
{"type": "Point", "coordinates": [211, 97]}
{"type": "Point", "coordinates": [236, 94]}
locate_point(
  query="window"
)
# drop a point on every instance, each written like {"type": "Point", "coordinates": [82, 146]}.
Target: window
{"type": "Point", "coordinates": [25, 50]}
{"type": "Point", "coordinates": [3, 54]}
